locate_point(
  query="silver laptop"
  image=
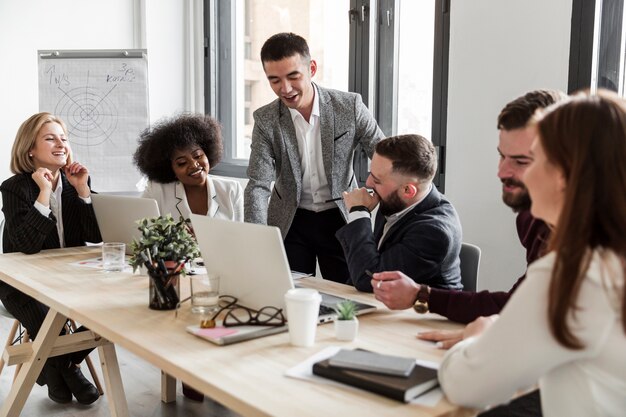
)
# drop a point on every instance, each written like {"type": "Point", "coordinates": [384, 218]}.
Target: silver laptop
{"type": "Point", "coordinates": [117, 216]}
{"type": "Point", "coordinates": [251, 261]}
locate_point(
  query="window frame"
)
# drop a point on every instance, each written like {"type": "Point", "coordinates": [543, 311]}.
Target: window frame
{"type": "Point", "coordinates": [373, 67]}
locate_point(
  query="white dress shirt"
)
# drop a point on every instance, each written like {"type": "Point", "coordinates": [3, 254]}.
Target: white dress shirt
{"type": "Point", "coordinates": [315, 189]}
{"type": "Point", "coordinates": [519, 349]}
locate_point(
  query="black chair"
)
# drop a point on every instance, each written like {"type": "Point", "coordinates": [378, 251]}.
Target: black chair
{"type": "Point", "coordinates": [470, 262]}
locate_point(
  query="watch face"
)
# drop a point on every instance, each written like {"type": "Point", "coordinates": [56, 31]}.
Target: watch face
{"type": "Point", "coordinates": [420, 307]}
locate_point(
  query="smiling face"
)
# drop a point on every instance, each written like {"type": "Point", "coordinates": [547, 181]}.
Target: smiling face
{"type": "Point", "coordinates": [51, 149]}
{"type": "Point", "coordinates": [514, 150]}
{"type": "Point", "coordinates": [386, 184]}
{"type": "Point", "coordinates": [546, 185]}
{"type": "Point", "coordinates": [190, 166]}
{"type": "Point", "coordinates": [290, 78]}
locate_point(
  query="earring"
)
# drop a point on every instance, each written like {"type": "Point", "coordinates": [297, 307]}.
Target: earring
{"type": "Point", "coordinates": [30, 155]}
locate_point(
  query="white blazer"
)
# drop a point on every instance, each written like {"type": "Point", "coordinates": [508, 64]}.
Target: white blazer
{"type": "Point", "coordinates": [225, 198]}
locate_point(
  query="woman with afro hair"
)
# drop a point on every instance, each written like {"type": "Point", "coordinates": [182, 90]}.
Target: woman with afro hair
{"type": "Point", "coordinates": [176, 155]}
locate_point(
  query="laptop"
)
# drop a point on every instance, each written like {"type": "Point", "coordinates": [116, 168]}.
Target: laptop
{"type": "Point", "coordinates": [251, 261]}
{"type": "Point", "coordinates": [117, 216]}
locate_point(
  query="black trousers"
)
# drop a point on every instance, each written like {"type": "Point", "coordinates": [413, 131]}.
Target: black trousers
{"type": "Point", "coordinates": [312, 236]}
{"type": "Point", "coordinates": [528, 405]}
{"type": "Point", "coordinates": [31, 313]}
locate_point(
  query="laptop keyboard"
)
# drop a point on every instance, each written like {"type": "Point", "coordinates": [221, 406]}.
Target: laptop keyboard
{"type": "Point", "coordinates": [325, 310]}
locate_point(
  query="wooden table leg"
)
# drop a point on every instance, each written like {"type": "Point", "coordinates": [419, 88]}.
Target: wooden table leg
{"type": "Point", "coordinates": [49, 331]}
{"type": "Point", "coordinates": [113, 381]}
{"type": "Point", "coordinates": [168, 388]}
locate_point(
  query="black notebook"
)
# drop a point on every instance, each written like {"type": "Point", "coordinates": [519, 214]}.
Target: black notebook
{"type": "Point", "coordinates": [420, 380]}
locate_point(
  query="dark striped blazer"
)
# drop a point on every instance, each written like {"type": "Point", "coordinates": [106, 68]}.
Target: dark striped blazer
{"type": "Point", "coordinates": [27, 230]}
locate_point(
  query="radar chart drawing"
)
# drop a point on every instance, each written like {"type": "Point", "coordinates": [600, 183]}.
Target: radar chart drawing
{"type": "Point", "coordinates": [90, 115]}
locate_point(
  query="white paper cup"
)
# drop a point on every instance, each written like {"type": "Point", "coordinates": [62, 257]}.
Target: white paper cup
{"type": "Point", "coordinates": [303, 306]}
{"type": "Point", "coordinates": [113, 256]}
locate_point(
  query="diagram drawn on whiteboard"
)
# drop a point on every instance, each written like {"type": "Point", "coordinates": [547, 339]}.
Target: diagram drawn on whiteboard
{"type": "Point", "coordinates": [90, 116]}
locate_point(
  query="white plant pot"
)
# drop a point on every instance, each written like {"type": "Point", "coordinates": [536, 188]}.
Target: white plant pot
{"type": "Point", "coordinates": [346, 330]}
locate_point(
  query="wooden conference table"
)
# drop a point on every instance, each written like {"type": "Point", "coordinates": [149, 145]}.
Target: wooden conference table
{"type": "Point", "coordinates": [247, 377]}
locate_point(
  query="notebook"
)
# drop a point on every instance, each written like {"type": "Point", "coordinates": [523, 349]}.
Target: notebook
{"type": "Point", "coordinates": [228, 335]}
{"type": "Point", "coordinates": [117, 216]}
{"type": "Point", "coordinates": [251, 261]}
{"type": "Point", "coordinates": [419, 381]}
{"type": "Point", "coordinates": [363, 360]}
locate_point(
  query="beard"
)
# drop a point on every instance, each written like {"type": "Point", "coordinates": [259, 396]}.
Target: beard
{"type": "Point", "coordinates": [516, 201]}
{"type": "Point", "coordinates": [392, 205]}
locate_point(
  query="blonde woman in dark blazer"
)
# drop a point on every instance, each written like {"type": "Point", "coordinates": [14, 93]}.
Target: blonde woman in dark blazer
{"type": "Point", "coordinates": [47, 205]}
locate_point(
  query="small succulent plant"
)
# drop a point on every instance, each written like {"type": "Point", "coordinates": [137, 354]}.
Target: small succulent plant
{"type": "Point", "coordinates": [346, 310]}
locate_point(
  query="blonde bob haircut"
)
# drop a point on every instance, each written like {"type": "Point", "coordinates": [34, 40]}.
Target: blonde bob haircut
{"type": "Point", "coordinates": [21, 162]}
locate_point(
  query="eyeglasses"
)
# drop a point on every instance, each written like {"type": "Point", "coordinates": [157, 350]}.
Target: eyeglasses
{"type": "Point", "coordinates": [242, 316]}
{"type": "Point", "coordinates": [237, 315]}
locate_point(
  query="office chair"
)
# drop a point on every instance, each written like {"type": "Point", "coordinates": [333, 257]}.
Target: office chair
{"type": "Point", "coordinates": [470, 262]}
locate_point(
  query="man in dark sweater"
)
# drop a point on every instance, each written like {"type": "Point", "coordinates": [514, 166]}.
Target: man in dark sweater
{"type": "Point", "coordinates": [398, 291]}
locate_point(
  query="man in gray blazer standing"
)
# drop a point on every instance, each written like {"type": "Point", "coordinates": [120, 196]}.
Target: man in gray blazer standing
{"type": "Point", "coordinates": [305, 142]}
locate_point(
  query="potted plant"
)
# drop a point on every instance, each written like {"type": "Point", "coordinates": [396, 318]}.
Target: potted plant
{"type": "Point", "coordinates": [346, 324]}
{"type": "Point", "coordinates": [163, 248]}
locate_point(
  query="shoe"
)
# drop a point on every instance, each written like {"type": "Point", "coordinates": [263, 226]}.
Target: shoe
{"type": "Point", "coordinates": [84, 391]}
{"type": "Point", "coordinates": [58, 391]}
{"type": "Point", "coordinates": [192, 394]}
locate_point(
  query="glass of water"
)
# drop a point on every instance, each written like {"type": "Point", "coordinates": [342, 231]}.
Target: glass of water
{"type": "Point", "coordinates": [205, 293]}
{"type": "Point", "coordinates": [113, 256]}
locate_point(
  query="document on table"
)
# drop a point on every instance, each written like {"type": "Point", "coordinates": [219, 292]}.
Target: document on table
{"type": "Point", "coordinates": [304, 370]}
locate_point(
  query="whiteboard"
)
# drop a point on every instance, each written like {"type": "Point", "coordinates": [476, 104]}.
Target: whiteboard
{"type": "Point", "coordinates": [102, 96]}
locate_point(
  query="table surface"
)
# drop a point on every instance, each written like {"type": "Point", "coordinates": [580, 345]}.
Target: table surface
{"type": "Point", "coordinates": [247, 377]}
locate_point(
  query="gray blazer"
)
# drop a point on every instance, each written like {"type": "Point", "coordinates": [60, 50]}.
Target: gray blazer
{"type": "Point", "coordinates": [345, 123]}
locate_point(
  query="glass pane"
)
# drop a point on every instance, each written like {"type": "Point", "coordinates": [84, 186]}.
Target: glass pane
{"type": "Point", "coordinates": [323, 23]}
{"type": "Point", "coordinates": [415, 72]}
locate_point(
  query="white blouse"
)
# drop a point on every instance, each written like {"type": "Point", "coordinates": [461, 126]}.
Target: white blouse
{"type": "Point", "coordinates": [519, 350]}
{"type": "Point", "coordinates": [225, 198]}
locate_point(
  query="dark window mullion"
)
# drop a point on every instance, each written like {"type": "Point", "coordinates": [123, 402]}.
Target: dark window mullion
{"type": "Point", "coordinates": [358, 79]}
{"type": "Point", "coordinates": [440, 87]}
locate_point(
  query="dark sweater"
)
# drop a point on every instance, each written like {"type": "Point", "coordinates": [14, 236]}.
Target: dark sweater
{"type": "Point", "coordinates": [466, 306]}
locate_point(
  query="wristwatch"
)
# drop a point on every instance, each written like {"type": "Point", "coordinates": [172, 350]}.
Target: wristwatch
{"type": "Point", "coordinates": [359, 208]}
{"type": "Point", "coordinates": [421, 303]}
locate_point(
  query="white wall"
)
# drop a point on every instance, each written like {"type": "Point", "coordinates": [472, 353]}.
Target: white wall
{"type": "Point", "coordinates": [26, 26]}
{"type": "Point", "coordinates": [499, 49]}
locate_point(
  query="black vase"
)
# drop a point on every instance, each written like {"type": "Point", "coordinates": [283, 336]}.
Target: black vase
{"type": "Point", "coordinates": [164, 290]}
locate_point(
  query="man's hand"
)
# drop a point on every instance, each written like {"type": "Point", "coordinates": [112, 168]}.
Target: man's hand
{"type": "Point", "coordinates": [360, 197]}
{"type": "Point", "coordinates": [445, 338]}
{"type": "Point", "coordinates": [396, 290]}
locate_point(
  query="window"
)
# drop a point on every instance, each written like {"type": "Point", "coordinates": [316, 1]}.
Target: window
{"type": "Point", "coordinates": [389, 51]}
{"type": "Point", "coordinates": [597, 47]}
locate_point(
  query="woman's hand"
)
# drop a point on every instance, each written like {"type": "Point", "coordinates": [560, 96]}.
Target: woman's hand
{"type": "Point", "coordinates": [447, 338]}
{"type": "Point", "coordinates": [43, 177]}
{"type": "Point", "coordinates": [77, 174]}
{"type": "Point", "coordinates": [479, 326]}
